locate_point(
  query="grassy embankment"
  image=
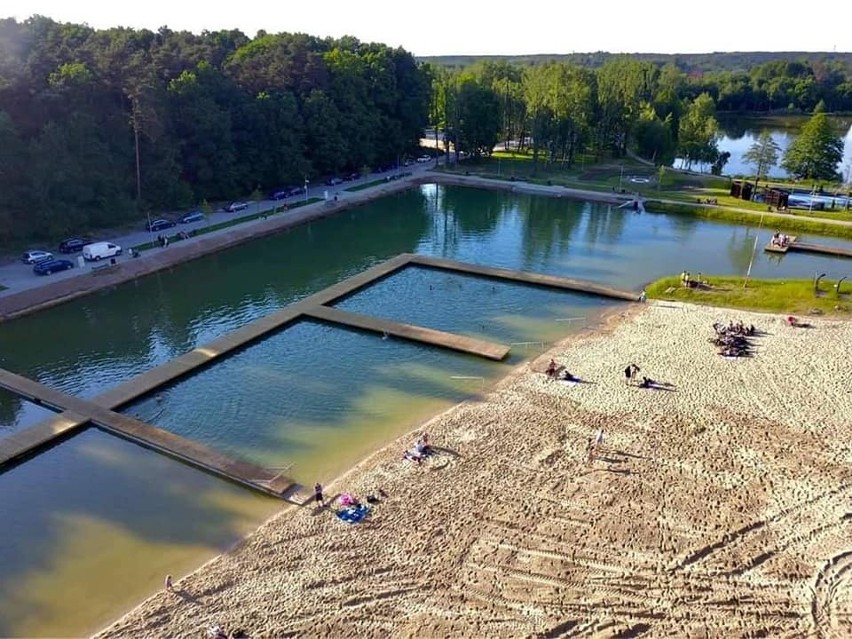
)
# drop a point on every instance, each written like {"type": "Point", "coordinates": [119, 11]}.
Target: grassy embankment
{"type": "Point", "coordinates": [228, 223]}
{"type": "Point", "coordinates": [776, 296]}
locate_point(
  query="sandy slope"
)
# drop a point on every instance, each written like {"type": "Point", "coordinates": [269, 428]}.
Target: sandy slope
{"type": "Point", "coordinates": [721, 509]}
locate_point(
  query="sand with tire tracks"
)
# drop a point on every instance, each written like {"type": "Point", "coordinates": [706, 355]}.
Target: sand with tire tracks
{"type": "Point", "coordinates": [720, 509]}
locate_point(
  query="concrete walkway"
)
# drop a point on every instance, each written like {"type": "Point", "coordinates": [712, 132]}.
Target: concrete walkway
{"type": "Point", "coordinates": [80, 412]}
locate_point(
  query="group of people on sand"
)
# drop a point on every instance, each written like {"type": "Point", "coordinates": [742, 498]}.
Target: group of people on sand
{"type": "Point", "coordinates": [631, 378]}
{"type": "Point", "coordinates": [559, 372]}
{"type": "Point", "coordinates": [732, 339]}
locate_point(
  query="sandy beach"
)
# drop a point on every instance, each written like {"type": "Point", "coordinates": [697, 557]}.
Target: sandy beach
{"type": "Point", "coordinates": [719, 508]}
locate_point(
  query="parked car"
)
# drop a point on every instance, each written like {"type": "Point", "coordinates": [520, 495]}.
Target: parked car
{"type": "Point", "coordinates": [100, 250]}
{"type": "Point", "coordinates": [32, 257]}
{"type": "Point", "coordinates": [46, 267]}
{"type": "Point", "coordinates": [333, 181]}
{"type": "Point", "coordinates": [233, 207]}
{"type": "Point", "coordinates": [159, 225]}
{"type": "Point", "coordinates": [279, 195]}
{"type": "Point", "coordinates": [353, 176]}
{"type": "Point", "coordinates": [72, 245]}
{"type": "Point", "coordinates": [423, 159]}
{"type": "Point", "coordinates": [297, 190]}
{"type": "Point", "coordinates": [192, 216]}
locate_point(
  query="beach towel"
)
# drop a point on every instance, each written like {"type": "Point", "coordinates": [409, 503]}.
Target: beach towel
{"type": "Point", "coordinates": [569, 382]}
{"type": "Point", "coordinates": [353, 514]}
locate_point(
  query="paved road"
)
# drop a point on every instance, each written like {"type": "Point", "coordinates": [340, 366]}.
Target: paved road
{"type": "Point", "coordinates": [17, 276]}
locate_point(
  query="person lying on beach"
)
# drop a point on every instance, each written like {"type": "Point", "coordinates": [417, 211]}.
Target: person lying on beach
{"type": "Point", "coordinates": [794, 322]}
{"type": "Point", "coordinates": [413, 455]}
{"type": "Point", "coordinates": [647, 382]}
{"type": "Point", "coordinates": [348, 499]}
{"type": "Point", "coordinates": [569, 377]}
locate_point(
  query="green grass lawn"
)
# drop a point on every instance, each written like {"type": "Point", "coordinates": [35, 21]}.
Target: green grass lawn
{"type": "Point", "coordinates": [234, 222]}
{"type": "Point", "coordinates": [777, 296]}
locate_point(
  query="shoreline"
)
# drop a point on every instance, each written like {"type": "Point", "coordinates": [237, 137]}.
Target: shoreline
{"type": "Point", "coordinates": [511, 533]}
{"type": "Point", "coordinates": [21, 303]}
{"type": "Point", "coordinates": [600, 324]}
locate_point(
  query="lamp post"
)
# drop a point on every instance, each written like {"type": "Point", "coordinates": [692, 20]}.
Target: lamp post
{"type": "Point", "coordinates": [306, 188]}
{"type": "Point", "coordinates": [150, 231]}
{"type": "Point", "coordinates": [621, 177]}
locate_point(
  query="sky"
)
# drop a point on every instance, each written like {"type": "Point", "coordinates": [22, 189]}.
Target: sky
{"type": "Point", "coordinates": [468, 27]}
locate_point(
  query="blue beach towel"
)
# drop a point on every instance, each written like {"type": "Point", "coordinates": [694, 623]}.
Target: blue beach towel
{"type": "Point", "coordinates": [353, 514]}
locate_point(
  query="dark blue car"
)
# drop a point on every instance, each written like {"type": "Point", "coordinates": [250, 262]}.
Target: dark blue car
{"type": "Point", "coordinates": [47, 267]}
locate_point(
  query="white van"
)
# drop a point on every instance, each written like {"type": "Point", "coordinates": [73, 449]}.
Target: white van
{"type": "Point", "coordinates": [100, 251]}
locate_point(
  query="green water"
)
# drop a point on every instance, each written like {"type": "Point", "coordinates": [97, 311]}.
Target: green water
{"type": "Point", "coordinates": [91, 526]}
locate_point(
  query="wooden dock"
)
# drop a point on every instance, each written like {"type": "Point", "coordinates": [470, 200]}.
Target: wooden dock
{"type": "Point", "coordinates": [79, 412]}
{"type": "Point", "coordinates": [452, 341]}
{"type": "Point", "coordinates": [524, 277]}
{"type": "Point", "coordinates": [806, 247]}
{"type": "Point", "coordinates": [100, 411]}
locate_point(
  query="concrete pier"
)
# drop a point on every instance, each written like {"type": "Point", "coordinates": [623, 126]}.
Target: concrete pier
{"type": "Point", "coordinates": [100, 411]}
{"type": "Point", "coordinates": [452, 341]}
{"type": "Point", "coordinates": [245, 335]}
{"type": "Point", "coordinates": [80, 411]}
{"type": "Point", "coordinates": [524, 277]}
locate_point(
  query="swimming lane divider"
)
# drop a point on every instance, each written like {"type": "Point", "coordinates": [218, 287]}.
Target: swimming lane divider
{"type": "Point", "coordinates": [411, 332]}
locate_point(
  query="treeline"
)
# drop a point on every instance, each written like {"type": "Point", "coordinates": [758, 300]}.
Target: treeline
{"type": "Point", "coordinates": [559, 110]}
{"type": "Point", "coordinates": [737, 81]}
{"type": "Point", "coordinates": [99, 126]}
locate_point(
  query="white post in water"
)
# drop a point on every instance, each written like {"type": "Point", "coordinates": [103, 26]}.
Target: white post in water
{"type": "Point", "coordinates": [751, 261]}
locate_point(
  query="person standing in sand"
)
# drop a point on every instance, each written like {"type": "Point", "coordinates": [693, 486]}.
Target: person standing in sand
{"type": "Point", "coordinates": [318, 494]}
{"type": "Point", "coordinates": [169, 585]}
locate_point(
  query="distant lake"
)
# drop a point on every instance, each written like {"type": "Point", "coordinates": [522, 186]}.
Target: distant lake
{"type": "Point", "coordinates": [737, 134]}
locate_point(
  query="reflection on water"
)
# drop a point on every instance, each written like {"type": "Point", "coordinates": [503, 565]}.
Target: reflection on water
{"type": "Point", "coordinates": [16, 413]}
{"type": "Point", "coordinates": [737, 135]}
{"type": "Point", "coordinates": [92, 525]}
{"type": "Point", "coordinates": [99, 520]}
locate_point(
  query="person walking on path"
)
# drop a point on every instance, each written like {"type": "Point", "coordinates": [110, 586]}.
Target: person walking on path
{"type": "Point", "coordinates": [169, 585]}
{"type": "Point", "coordinates": [318, 494]}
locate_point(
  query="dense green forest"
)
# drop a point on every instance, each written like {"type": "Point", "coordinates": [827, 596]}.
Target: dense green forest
{"type": "Point", "coordinates": [98, 127]}
{"type": "Point", "coordinates": [85, 112]}
{"type": "Point", "coordinates": [739, 81]}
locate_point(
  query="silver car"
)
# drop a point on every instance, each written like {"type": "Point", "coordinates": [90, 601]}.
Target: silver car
{"type": "Point", "coordinates": [34, 257]}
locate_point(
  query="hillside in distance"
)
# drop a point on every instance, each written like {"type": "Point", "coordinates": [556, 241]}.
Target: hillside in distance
{"type": "Point", "coordinates": [687, 62]}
